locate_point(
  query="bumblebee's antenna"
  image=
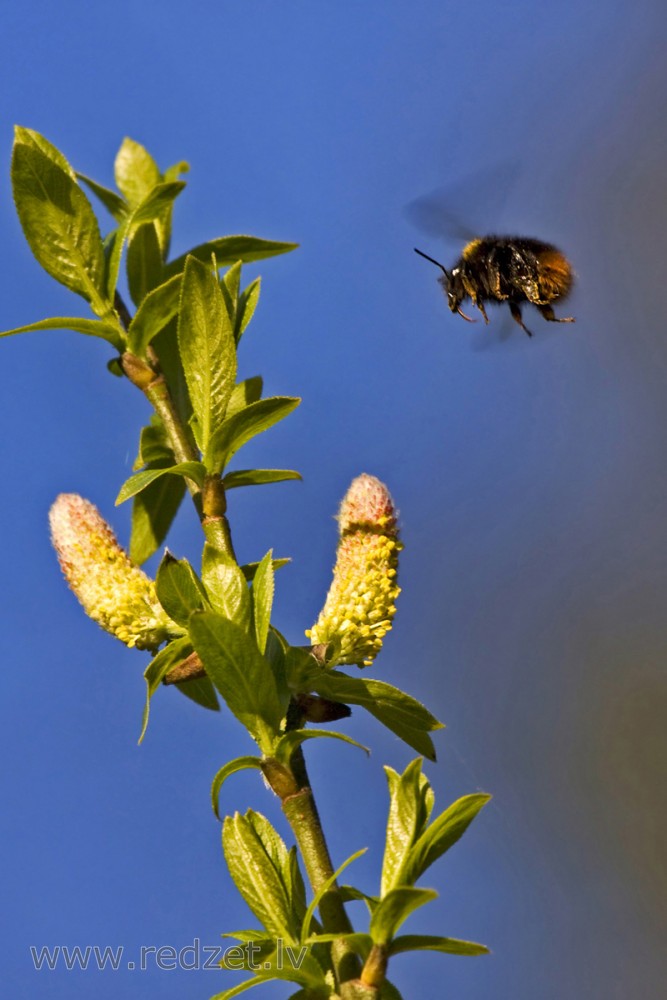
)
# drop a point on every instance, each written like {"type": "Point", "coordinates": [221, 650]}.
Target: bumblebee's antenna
{"type": "Point", "coordinates": [436, 262]}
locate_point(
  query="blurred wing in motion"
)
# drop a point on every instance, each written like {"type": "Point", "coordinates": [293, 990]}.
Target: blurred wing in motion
{"type": "Point", "coordinates": [479, 197]}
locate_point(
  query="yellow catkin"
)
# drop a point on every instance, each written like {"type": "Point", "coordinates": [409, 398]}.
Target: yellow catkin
{"type": "Point", "coordinates": [360, 605]}
{"type": "Point", "coordinates": [113, 591]}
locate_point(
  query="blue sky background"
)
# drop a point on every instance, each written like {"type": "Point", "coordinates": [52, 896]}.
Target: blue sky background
{"type": "Point", "coordinates": [530, 475]}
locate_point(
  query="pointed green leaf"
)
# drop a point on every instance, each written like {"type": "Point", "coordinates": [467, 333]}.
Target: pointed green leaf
{"type": "Point", "coordinates": [249, 569]}
{"type": "Point", "coordinates": [174, 172]}
{"type": "Point", "coordinates": [153, 511]}
{"type": "Point", "coordinates": [156, 202]}
{"type": "Point", "coordinates": [244, 393]}
{"type": "Point", "coordinates": [397, 710]}
{"type": "Point", "coordinates": [258, 477]}
{"type": "Point", "coordinates": [245, 309]}
{"type": "Point", "coordinates": [350, 894]}
{"type": "Point", "coordinates": [322, 891]}
{"type": "Point", "coordinates": [442, 834]}
{"type": "Point", "coordinates": [262, 599]}
{"type": "Point", "coordinates": [144, 262]}
{"type": "Point", "coordinates": [201, 691]}
{"type": "Point", "coordinates": [154, 447]}
{"type": "Point", "coordinates": [236, 430]}
{"type": "Point", "coordinates": [113, 202]}
{"type": "Point", "coordinates": [91, 327]}
{"type": "Point", "coordinates": [427, 942]}
{"type": "Point", "coordinates": [158, 308]}
{"type": "Point", "coordinates": [231, 767]}
{"type": "Point", "coordinates": [166, 345]}
{"type": "Point", "coordinates": [29, 137]}
{"type": "Point", "coordinates": [241, 988]}
{"type": "Point", "coordinates": [230, 249]}
{"type": "Point", "coordinates": [288, 743]}
{"type": "Point", "coordinates": [140, 480]}
{"type": "Point", "coordinates": [389, 992]}
{"type": "Point", "coordinates": [252, 867]}
{"type": "Point", "coordinates": [411, 801]}
{"type": "Point", "coordinates": [136, 171]}
{"type": "Point", "coordinates": [59, 224]}
{"type": "Point", "coordinates": [240, 673]}
{"type": "Point", "coordinates": [206, 343]}
{"type": "Point", "coordinates": [394, 908]}
{"type": "Point", "coordinates": [158, 668]}
{"type": "Point", "coordinates": [226, 586]}
{"type": "Point", "coordinates": [179, 589]}
{"type": "Point", "coordinates": [231, 283]}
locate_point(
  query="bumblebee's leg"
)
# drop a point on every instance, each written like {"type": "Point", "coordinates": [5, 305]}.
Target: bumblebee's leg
{"type": "Point", "coordinates": [480, 305]}
{"type": "Point", "coordinates": [549, 314]}
{"type": "Point", "coordinates": [516, 315]}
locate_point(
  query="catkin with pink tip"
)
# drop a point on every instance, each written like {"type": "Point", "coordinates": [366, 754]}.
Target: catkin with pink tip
{"type": "Point", "coordinates": [360, 605]}
{"type": "Point", "coordinates": [113, 591]}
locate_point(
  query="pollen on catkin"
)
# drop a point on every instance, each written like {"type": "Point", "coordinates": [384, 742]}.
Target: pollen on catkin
{"type": "Point", "coordinates": [113, 591]}
{"type": "Point", "coordinates": [360, 605]}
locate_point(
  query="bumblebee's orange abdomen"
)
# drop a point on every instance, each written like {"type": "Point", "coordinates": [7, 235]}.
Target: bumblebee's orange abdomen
{"type": "Point", "coordinates": [555, 275]}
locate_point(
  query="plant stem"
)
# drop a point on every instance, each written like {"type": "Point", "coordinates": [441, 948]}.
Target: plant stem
{"type": "Point", "coordinates": [301, 811]}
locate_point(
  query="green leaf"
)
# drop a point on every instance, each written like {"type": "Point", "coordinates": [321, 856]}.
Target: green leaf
{"type": "Point", "coordinates": [240, 673]}
{"type": "Point", "coordinates": [427, 942]}
{"type": "Point", "coordinates": [241, 988]}
{"type": "Point", "coordinates": [230, 249]}
{"type": "Point", "coordinates": [113, 202]}
{"type": "Point", "coordinates": [156, 202]}
{"type": "Point", "coordinates": [236, 430]}
{"type": "Point", "coordinates": [231, 767]}
{"type": "Point", "coordinates": [140, 480]}
{"type": "Point", "coordinates": [411, 801]}
{"type": "Point", "coordinates": [166, 345]}
{"type": "Point", "coordinates": [244, 393]}
{"type": "Point", "coordinates": [245, 308]}
{"type": "Point", "coordinates": [179, 589]}
{"type": "Point", "coordinates": [114, 245]}
{"type": "Point", "coordinates": [249, 569]}
{"type": "Point", "coordinates": [288, 743]}
{"type": "Point", "coordinates": [250, 851]}
{"type": "Point", "coordinates": [262, 599]}
{"type": "Point", "coordinates": [208, 353]}
{"type": "Point", "coordinates": [136, 171]}
{"type": "Point", "coordinates": [91, 327]}
{"type": "Point", "coordinates": [231, 283]}
{"type": "Point", "coordinates": [389, 992]}
{"type": "Point", "coordinates": [153, 511]}
{"type": "Point", "coordinates": [158, 668]}
{"type": "Point", "coordinates": [144, 261]}
{"type": "Point", "coordinates": [157, 309]}
{"type": "Point", "coordinates": [31, 138]}
{"type": "Point", "coordinates": [322, 891]}
{"type": "Point", "coordinates": [226, 586]}
{"type": "Point", "coordinates": [442, 834]}
{"type": "Point", "coordinates": [394, 908]}
{"type": "Point", "coordinates": [258, 477]}
{"type": "Point", "coordinates": [201, 691]}
{"type": "Point", "coordinates": [350, 894]}
{"type": "Point", "coordinates": [402, 714]}
{"type": "Point", "coordinates": [59, 224]}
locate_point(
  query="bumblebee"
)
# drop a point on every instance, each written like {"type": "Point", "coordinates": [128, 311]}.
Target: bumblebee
{"type": "Point", "coordinates": [512, 269]}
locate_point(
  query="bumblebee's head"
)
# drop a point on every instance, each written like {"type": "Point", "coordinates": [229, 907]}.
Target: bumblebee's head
{"type": "Point", "coordinates": [453, 286]}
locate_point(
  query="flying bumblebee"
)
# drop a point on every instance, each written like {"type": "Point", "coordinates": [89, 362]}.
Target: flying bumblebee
{"type": "Point", "coordinates": [512, 269]}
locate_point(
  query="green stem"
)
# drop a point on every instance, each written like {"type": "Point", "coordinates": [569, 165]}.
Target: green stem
{"type": "Point", "coordinates": [301, 811]}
